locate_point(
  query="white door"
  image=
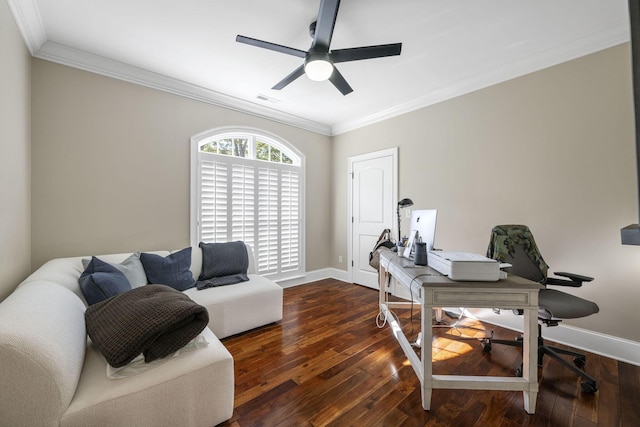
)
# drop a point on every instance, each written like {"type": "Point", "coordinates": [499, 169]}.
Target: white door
{"type": "Point", "coordinates": [372, 209]}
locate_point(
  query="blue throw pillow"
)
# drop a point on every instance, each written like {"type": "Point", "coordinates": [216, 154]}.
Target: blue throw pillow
{"type": "Point", "coordinates": [172, 270]}
{"type": "Point", "coordinates": [131, 267]}
{"type": "Point", "coordinates": [101, 280]}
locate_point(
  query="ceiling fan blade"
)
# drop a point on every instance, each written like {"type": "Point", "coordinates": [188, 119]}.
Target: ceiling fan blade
{"type": "Point", "coordinates": [290, 78]}
{"type": "Point", "coordinates": [325, 23]}
{"type": "Point", "coordinates": [339, 82]}
{"type": "Point", "coordinates": [366, 52]}
{"type": "Point", "coordinates": [271, 46]}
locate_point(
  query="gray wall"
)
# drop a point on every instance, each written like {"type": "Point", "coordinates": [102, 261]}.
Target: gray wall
{"type": "Point", "coordinates": [111, 165]}
{"type": "Point", "coordinates": [15, 181]}
{"type": "Point", "coordinates": [553, 149]}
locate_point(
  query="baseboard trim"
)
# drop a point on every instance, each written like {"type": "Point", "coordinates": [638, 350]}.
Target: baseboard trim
{"type": "Point", "coordinates": [313, 276]}
{"type": "Point", "coordinates": [594, 342]}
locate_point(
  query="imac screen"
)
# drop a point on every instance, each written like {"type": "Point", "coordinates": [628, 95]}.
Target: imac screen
{"type": "Point", "coordinates": [424, 222]}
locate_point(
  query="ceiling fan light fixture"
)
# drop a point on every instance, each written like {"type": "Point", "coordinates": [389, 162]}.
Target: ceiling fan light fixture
{"type": "Point", "coordinates": [319, 59]}
{"type": "Point", "coordinates": [318, 67]}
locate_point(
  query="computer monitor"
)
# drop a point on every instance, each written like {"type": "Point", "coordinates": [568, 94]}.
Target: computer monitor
{"type": "Point", "coordinates": [423, 221]}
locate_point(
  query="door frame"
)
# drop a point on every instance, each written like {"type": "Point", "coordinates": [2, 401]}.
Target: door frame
{"type": "Point", "coordinates": [389, 152]}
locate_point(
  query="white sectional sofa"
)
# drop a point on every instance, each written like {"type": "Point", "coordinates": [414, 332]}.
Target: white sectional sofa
{"type": "Point", "coordinates": [52, 375]}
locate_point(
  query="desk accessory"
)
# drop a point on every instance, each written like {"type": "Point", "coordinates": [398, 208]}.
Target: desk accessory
{"type": "Point", "coordinates": [420, 256]}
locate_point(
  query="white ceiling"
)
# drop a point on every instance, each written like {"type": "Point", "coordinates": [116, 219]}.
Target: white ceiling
{"type": "Point", "coordinates": [188, 47]}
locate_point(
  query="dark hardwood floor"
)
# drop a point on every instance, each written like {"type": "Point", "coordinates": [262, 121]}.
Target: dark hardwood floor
{"type": "Point", "coordinates": [328, 364]}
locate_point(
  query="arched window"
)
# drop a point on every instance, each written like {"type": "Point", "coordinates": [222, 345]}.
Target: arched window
{"type": "Point", "coordinates": [248, 185]}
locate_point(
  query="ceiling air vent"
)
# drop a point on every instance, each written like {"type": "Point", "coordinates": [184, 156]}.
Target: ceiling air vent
{"type": "Point", "coordinates": [266, 98]}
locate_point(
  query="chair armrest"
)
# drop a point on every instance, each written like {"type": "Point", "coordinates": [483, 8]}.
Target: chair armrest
{"type": "Point", "coordinates": [575, 280]}
{"type": "Point", "coordinates": [574, 277]}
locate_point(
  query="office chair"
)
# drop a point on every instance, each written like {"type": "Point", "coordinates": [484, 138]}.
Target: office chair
{"type": "Point", "coordinates": [514, 244]}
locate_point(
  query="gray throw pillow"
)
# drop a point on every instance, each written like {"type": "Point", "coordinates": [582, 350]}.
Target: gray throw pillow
{"type": "Point", "coordinates": [172, 270]}
{"type": "Point", "coordinates": [223, 259]}
{"type": "Point", "coordinates": [223, 264]}
{"type": "Point", "coordinates": [131, 267]}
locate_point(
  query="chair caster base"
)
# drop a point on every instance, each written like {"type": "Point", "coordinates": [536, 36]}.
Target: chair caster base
{"type": "Point", "coordinates": [580, 362]}
{"type": "Point", "coordinates": [588, 386]}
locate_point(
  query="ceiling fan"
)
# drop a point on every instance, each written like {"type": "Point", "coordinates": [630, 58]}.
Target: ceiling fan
{"type": "Point", "coordinates": [319, 60]}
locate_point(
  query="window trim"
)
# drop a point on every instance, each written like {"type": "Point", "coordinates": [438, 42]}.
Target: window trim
{"type": "Point", "coordinates": [197, 140]}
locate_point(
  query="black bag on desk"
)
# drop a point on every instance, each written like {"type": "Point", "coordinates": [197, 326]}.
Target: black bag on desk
{"type": "Point", "coordinates": [384, 241]}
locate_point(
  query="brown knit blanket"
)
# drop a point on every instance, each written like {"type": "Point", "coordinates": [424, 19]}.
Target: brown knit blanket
{"type": "Point", "coordinates": [155, 320]}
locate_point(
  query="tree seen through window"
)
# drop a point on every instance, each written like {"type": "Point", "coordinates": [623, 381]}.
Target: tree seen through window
{"type": "Point", "coordinates": [240, 147]}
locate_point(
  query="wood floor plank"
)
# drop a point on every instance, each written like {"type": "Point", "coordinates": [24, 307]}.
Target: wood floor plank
{"type": "Point", "coordinates": [383, 400]}
{"type": "Point", "coordinates": [326, 363]}
{"type": "Point", "coordinates": [629, 379]}
{"type": "Point", "coordinates": [609, 409]}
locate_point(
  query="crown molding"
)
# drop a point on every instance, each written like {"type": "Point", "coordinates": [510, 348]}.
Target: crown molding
{"type": "Point", "coordinates": [86, 61]}
{"type": "Point", "coordinates": [27, 17]}
{"type": "Point", "coordinates": [595, 42]}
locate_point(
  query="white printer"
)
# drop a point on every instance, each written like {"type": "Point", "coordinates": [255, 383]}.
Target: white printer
{"type": "Point", "coordinates": [465, 266]}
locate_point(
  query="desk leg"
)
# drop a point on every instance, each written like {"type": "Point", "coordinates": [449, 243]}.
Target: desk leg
{"type": "Point", "coordinates": [382, 284]}
{"type": "Point", "coordinates": [530, 357]}
{"type": "Point", "coordinates": [426, 350]}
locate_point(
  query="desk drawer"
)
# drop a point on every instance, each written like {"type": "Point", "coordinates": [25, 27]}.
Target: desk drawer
{"type": "Point", "coordinates": [468, 298]}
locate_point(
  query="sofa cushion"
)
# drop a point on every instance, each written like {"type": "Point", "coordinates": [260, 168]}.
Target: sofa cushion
{"type": "Point", "coordinates": [101, 280]}
{"type": "Point", "coordinates": [172, 270]}
{"type": "Point", "coordinates": [131, 267]}
{"type": "Point", "coordinates": [196, 389]}
{"type": "Point", "coordinates": [238, 308]}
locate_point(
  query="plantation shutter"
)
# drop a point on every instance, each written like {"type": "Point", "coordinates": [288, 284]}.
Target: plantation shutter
{"type": "Point", "coordinates": [290, 221]}
{"type": "Point", "coordinates": [268, 215]}
{"type": "Point", "coordinates": [255, 201]}
{"type": "Point", "coordinates": [243, 223]}
{"type": "Point", "coordinates": [213, 201]}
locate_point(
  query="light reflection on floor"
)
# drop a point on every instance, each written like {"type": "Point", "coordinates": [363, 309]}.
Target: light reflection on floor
{"type": "Point", "coordinates": [449, 342]}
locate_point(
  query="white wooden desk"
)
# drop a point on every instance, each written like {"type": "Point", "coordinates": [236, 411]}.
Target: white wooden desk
{"type": "Point", "coordinates": [435, 290]}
